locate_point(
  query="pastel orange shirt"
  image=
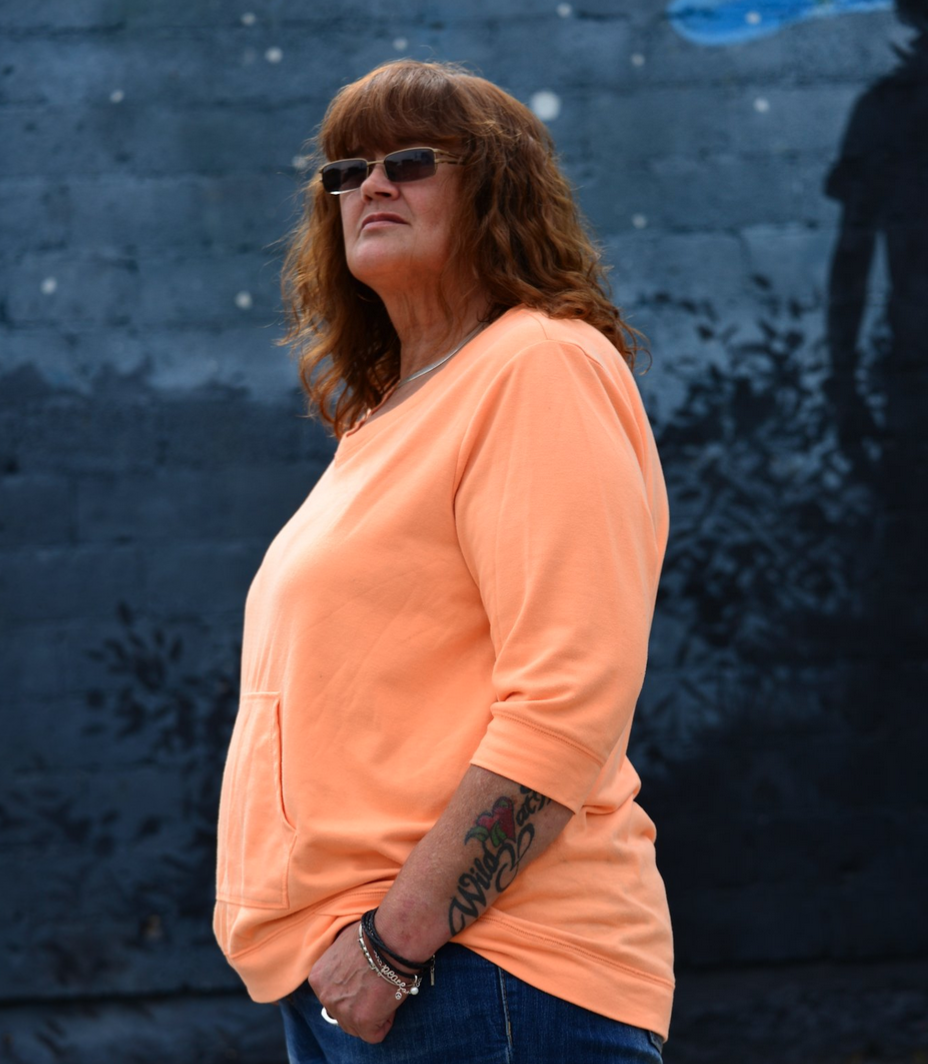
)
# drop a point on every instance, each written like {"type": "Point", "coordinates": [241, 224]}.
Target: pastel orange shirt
{"type": "Point", "coordinates": [470, 582]}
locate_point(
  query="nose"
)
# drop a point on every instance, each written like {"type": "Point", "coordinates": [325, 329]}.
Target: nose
{"type": "Point", "coordinates": [377, 184]}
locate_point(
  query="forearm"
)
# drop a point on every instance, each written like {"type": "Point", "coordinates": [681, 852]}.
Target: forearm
{"type": "Point", "coordinates": [490, 830]}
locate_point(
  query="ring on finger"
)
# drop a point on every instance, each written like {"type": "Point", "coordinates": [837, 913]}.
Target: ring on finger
{"type": "Point", "coordinates": [328, 1018]}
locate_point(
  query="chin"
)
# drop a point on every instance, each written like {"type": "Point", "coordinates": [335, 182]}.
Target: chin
{"type": "Point", "coordinates": [387, 271]}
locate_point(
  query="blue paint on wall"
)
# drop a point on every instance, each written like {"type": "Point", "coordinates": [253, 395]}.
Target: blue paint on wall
{"type": "Point", "coordinates": [723, 22]}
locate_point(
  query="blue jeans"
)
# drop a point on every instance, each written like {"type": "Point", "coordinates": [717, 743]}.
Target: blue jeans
{"type": "Point", "coordinates": [474, 1014]}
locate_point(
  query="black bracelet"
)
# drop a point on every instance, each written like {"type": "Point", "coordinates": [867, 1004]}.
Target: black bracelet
{"type": "Point", "coordinates": [370, 929]}
{"type": "Point", "coordinates": [392, 966]}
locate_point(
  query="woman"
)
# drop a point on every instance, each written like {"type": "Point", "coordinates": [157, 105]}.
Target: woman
{"type": "Point", "coordinates": [444, 646]}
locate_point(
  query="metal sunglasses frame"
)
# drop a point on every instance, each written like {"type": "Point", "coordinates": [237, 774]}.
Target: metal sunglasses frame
{"type": "Point", "coordinates": [439, 157]}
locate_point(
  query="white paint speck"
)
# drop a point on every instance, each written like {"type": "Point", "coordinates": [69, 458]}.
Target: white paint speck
{"type": "Point", "coordinates": [545, 104]}
{"type": "Point", "coordinates": [49, 286]}
{"type": "Point", "coordinates": [637, 59]}
{"type": "Point", "coordinates": [400, 44]}
{"type": "Point", "coordinates": [752, 18]}
{"type": "Point", "coordinates": [565, 10]}
{"type": "Point", "coordinates": [249, 18]}
{"type": "Point", "coordinates": [640, 221]}
{"type": "Point", "coordinates": [273, 55]}
{"type": "Point", "coordinates": [761, 105]}
{"type": "Point", "coordinates": [243, 300]}
{"type": "Point", "coordinates": [117, 96]}
{"type": "Point", "coordinates": [300, 162]}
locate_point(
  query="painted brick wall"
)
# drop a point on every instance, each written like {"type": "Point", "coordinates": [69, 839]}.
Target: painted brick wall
{"type": "Point", "coordinates": [151, 443]}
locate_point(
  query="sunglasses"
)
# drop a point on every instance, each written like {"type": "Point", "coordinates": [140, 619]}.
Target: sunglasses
{"type": "Point", "coordinates": [410, 164]}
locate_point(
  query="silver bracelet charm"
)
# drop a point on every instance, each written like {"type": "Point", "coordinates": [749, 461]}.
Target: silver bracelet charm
{"type": "Point", "coordinates": [381, 968]}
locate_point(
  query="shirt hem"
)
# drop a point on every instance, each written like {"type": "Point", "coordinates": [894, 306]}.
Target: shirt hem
{"type": "Point", "coordinates": [282, 960]}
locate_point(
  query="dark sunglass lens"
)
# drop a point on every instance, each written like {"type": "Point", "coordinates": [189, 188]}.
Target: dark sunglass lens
{"type": "Point", "coordinates": [343, 176]}
{"type": "Point", "coordinates": [411, 165]}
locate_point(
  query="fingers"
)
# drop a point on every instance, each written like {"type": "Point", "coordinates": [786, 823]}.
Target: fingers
{"type": "Point", "coordinates": [375, 1033]}
{"type": "Point", "coordinates": [370, 1032]}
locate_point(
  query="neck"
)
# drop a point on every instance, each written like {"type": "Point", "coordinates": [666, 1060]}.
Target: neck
{"type": "Point", "coordinates": [426, 332]}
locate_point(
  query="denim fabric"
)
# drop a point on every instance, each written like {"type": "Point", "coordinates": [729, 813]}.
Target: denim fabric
{"type": "Point", "coordinates": [474, 1014]}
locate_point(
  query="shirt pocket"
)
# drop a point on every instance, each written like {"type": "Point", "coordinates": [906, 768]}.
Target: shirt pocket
{"type": "Point", "coordinates": [255, 837]}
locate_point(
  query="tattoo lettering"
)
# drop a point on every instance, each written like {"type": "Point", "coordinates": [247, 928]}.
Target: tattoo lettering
{"type": "Point", "coordinates": [505, 832]}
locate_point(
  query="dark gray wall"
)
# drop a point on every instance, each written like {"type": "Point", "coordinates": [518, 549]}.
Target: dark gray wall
{"type": "Point", "coordinates": [759, 188]}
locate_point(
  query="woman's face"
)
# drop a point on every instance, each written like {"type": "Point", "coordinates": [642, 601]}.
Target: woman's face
{"type": "Point", "coordinates": [398, 236]}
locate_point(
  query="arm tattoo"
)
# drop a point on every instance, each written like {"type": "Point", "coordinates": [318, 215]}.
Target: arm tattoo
{"type": "Point", "coordinates": [505, 833]}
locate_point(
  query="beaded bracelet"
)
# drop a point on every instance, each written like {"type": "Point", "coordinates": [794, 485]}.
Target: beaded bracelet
{"type": "Point", "coordinates": [386, 972]}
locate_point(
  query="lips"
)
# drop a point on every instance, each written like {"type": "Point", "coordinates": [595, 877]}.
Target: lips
{"type": "Point", "coordinates": [381, 216]}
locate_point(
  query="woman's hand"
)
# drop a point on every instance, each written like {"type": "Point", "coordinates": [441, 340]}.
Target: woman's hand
{"type": "Point", "coordinates": [342, 980]}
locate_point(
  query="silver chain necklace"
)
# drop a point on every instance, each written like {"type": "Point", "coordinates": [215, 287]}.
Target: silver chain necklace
{"type": "Point", "coordinates": [441, 361]}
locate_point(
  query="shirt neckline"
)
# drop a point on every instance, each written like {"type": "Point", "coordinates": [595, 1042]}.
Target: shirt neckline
{"type": "Point", "coordinates": [451, 368]}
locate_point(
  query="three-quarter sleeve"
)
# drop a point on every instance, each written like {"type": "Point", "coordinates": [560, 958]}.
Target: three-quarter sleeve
{"type": "Point", "coordinates": [560, 518]}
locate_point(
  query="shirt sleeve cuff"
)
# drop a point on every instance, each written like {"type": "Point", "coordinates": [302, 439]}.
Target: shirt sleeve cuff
{"type": "Point", "coordinates": [539, 759]}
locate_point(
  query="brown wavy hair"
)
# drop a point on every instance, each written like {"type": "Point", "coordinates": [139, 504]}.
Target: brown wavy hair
{"type": "Point", "coordinates": [520, 236]}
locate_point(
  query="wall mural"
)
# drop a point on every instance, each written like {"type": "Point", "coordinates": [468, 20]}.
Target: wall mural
{"type": "Point", "coordinates": [797, 464]}
{"type": "Point", "coordinates": [791, 610]}
{"type": "Point", "coordinates": [793, 471]}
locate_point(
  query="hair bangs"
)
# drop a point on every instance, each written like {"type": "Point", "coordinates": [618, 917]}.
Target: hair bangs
{"type": "Point", "coordinates": [400, 104]}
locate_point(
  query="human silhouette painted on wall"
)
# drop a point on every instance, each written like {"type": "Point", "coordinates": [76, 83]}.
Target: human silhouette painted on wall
{"type": "Point", "coordinates": [881, 180]}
